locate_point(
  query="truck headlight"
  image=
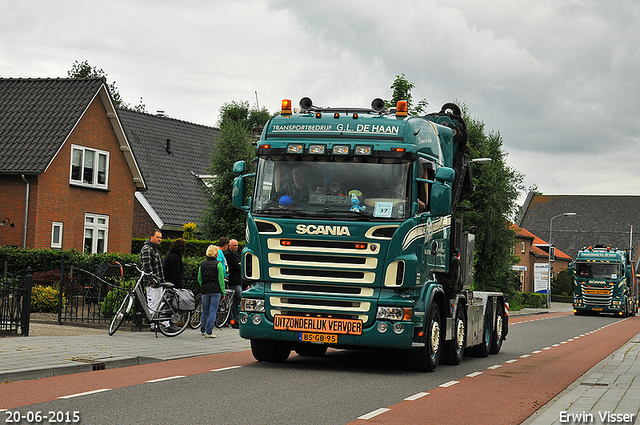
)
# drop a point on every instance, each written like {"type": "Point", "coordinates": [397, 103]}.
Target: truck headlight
{"type": "Point", "coordinates": [393, 313]}
{"type": "Point", "coordinates": [252, 304]}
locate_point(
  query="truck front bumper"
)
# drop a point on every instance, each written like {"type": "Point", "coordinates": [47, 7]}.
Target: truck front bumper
{"type": "Point", "coordinates": [381, 334]}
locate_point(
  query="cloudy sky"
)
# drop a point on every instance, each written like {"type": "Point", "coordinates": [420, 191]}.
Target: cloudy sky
{"type": "Point", "coordinates": [559, 79]}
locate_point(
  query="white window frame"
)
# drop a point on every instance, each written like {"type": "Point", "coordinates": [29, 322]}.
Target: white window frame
{"type": "Point", "coordinates": [95, 164]}
{"type": "Point", "coordinates": [95, 224]}
{"type": "Point", "coordinates": [56, 243]}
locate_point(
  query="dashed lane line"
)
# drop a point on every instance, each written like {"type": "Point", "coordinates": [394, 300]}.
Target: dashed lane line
{"type": "Point", "coordinates": [448, 384]}
{"type": "Point", "coordinates": [374, 413]}
{"type": "Point", "coordinates": [225, 368]}
{"type": "Point", "coordinates": [416, 396]}
{"type": "Point", "coordinates": [85, 393]}
{"type": "Point", "coordinates": [168, 378]}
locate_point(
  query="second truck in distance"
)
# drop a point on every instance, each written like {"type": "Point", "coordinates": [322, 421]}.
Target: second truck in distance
{"type": "Point", "coordinates": [604, 281]}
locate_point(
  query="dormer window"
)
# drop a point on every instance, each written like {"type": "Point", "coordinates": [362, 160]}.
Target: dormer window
{"type": "Point", "coordinates": [89, 167]}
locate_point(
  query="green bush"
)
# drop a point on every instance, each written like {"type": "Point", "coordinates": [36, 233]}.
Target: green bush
{"type": "Point", "coordinates": [520, 300]}
{"type": "Point", "coordinates": [562, 283]}
{"type": "Point", "coordinates": [45, 263]}
{"type": "Point", "coordinates": [194, 248]}
{"type": "Point", "coordinates": [44, 299]}
{"type": "Point", "coordinates": [114, 298]}
{"type": "Point", "coordinates": [564, 298]}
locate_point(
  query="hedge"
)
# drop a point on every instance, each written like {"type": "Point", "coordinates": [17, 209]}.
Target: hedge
{"type": "Point", "coordinates": [45, 263]}
{"type": "Point", "coordinates": [520, 300]}
{"type": "Point", "coordinates": [194, 248]}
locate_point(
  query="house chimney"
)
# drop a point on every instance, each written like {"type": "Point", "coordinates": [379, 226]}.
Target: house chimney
{"type": "Point", "coordinates": [168, 147]}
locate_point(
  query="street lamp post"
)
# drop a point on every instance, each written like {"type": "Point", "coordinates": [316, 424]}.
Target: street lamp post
{"type": "Point", "coordinates": [567, 214]}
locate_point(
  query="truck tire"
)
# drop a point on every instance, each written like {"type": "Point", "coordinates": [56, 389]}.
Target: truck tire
{"type": "Point", "coordinates": [482, 350]}
{"type": "Point", "coordinates": [454, 349]}
{"type": "Point", "coordinates": [496, 334]}
{"type": "Point", "coordinates": [311, 350]}
{"type": "Point", "coordinates": [427, 358]}
{"type": "Point", "coordinates": [270, 351]}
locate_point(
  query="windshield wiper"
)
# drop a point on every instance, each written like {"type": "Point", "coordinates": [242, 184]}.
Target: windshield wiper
{"type": "Point", "coordinates": [280, 211]}
{"type": "Point", "coordinates": [328, 211]}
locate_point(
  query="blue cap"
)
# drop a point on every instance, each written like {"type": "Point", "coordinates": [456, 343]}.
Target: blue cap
{"type": "Point", "coordinates": [285, 200]}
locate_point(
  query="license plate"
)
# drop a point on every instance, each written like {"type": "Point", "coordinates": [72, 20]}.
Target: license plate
{"type": "Point", "coordinates": [323, 338]}
{"type": "Point", "coordinates": [597, 309]}
{"type": "Point", "coordinates": [317, 325]}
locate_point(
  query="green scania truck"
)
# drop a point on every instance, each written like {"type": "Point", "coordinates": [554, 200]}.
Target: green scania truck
{"type": "Point", "coordinates": [604, 281]}
{"type": "Point", "coordinates": [352, 240]}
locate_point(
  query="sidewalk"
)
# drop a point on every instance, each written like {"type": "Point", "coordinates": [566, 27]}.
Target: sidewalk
{"type": "Point", "coordinates": [86, 349]}
{"type": "Point", "coordinates": [608, 393]}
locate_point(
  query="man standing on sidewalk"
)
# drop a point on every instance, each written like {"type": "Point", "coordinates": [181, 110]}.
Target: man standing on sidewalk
{"type": "Point", "coordinates": [235, 279]}
{"type": "Point", "coordinates": [152, 263]}
{"type": "Point", "coordinates": [223, 244]}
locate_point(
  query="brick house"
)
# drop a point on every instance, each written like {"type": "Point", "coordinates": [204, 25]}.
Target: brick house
{"type": "Point", "coordinates": [68, 177]}
{"type": "Point", "coordinates": [532, 250]}
{"type": "Point", "coordinates": [174, 157]}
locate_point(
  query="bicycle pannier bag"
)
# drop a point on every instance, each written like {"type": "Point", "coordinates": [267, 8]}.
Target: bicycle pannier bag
{"type": "Point", "coordinates": [186, 300]}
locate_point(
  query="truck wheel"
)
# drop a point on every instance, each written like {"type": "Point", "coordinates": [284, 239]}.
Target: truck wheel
{"type": "Point", "coordinates": [311, 350]}
{"type": "Point", "coordinates": [270, 351]}
{"type": "Point", "coordinates": [496, 335]}
{"type": "Point", "coordinates": [482, 350]}
{"type": "Point", "coordinates": [426, 359]}
{"type": "Point", "coordinates": [454, 349]}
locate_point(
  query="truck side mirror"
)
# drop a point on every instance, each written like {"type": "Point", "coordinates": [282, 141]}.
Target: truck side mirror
{"type": "Point", "coordinates": [238, 168]}
{"type": "Point", "coordinates": [445, 174]}
{"type": "Point", "coordinates": [238, 194]}
{"type": "Point", "coordinates": [441, 191]}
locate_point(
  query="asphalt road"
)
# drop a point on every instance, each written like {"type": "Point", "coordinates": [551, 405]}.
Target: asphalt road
{"type": "Point", "coordinates": [543, 355]}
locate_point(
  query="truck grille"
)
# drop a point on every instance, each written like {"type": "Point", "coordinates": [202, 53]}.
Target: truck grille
{"type": "Point", "coordinates": [322, 278]}
{"type": "Point", "coordinates": [597, 296]}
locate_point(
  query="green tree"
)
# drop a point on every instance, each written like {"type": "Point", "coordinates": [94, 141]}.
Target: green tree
{"type": "Point", "coordinates": [562, 283]}
{"type": "Point", "coordinates": [237, 121]}
{"type": "Point", "coordinates": [402, 91]}
{"type": "Point", "coordinates": [491, 207]}
{"type": "Point", "coordinates": [493, 203]}
{"type": "Point", "coordinates": [84, 70]}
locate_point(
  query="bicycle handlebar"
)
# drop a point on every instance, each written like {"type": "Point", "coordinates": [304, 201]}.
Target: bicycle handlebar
{"type": "Point", "coordinates": [142, 272]}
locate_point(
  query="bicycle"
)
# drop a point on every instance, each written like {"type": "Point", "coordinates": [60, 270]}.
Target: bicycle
{"type": "Point", "coordinates": [196, 316]}
{"type": "Point", "coordinates": [222, 314]}
{"type": "Point", "coordinates": [167, 310]}
{"type": "Point", "coordinates": [224, 309]}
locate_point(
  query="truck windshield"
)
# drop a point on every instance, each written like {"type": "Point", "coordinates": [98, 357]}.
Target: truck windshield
{"type": "Point", "coordinates": [599, 270]}
{"type": "Point", "coordinates": [343, 187]}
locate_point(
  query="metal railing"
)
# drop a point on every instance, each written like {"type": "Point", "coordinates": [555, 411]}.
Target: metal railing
{"type": "Point", "coordinates": [15, 303]}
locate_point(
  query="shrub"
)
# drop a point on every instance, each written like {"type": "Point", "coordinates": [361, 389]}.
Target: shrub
{"type": "Point", "coordinates": [520, 300]}
{"type": "Point", "coordinates": [114, 298]}
{"type": "Point", "coordinates": [44, 299]}
{"type": "Point", "coordinates": [188, 231]}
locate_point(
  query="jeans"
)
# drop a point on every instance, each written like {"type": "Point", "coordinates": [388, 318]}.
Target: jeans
{"type": "Point", "coordinates": [210, 303]}
{"type": "Point", "coordinates": [237, 297]}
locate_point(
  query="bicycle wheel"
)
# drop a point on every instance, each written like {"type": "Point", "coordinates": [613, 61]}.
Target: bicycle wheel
{"type": "Point", "coordinates": [196, 315]}
{"type": "Point", "coordinates": [118, 318]}
{"type": "Point", "coordinates": [179, 321]}
{"type": "Point", "coordinates": [224, 310]}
